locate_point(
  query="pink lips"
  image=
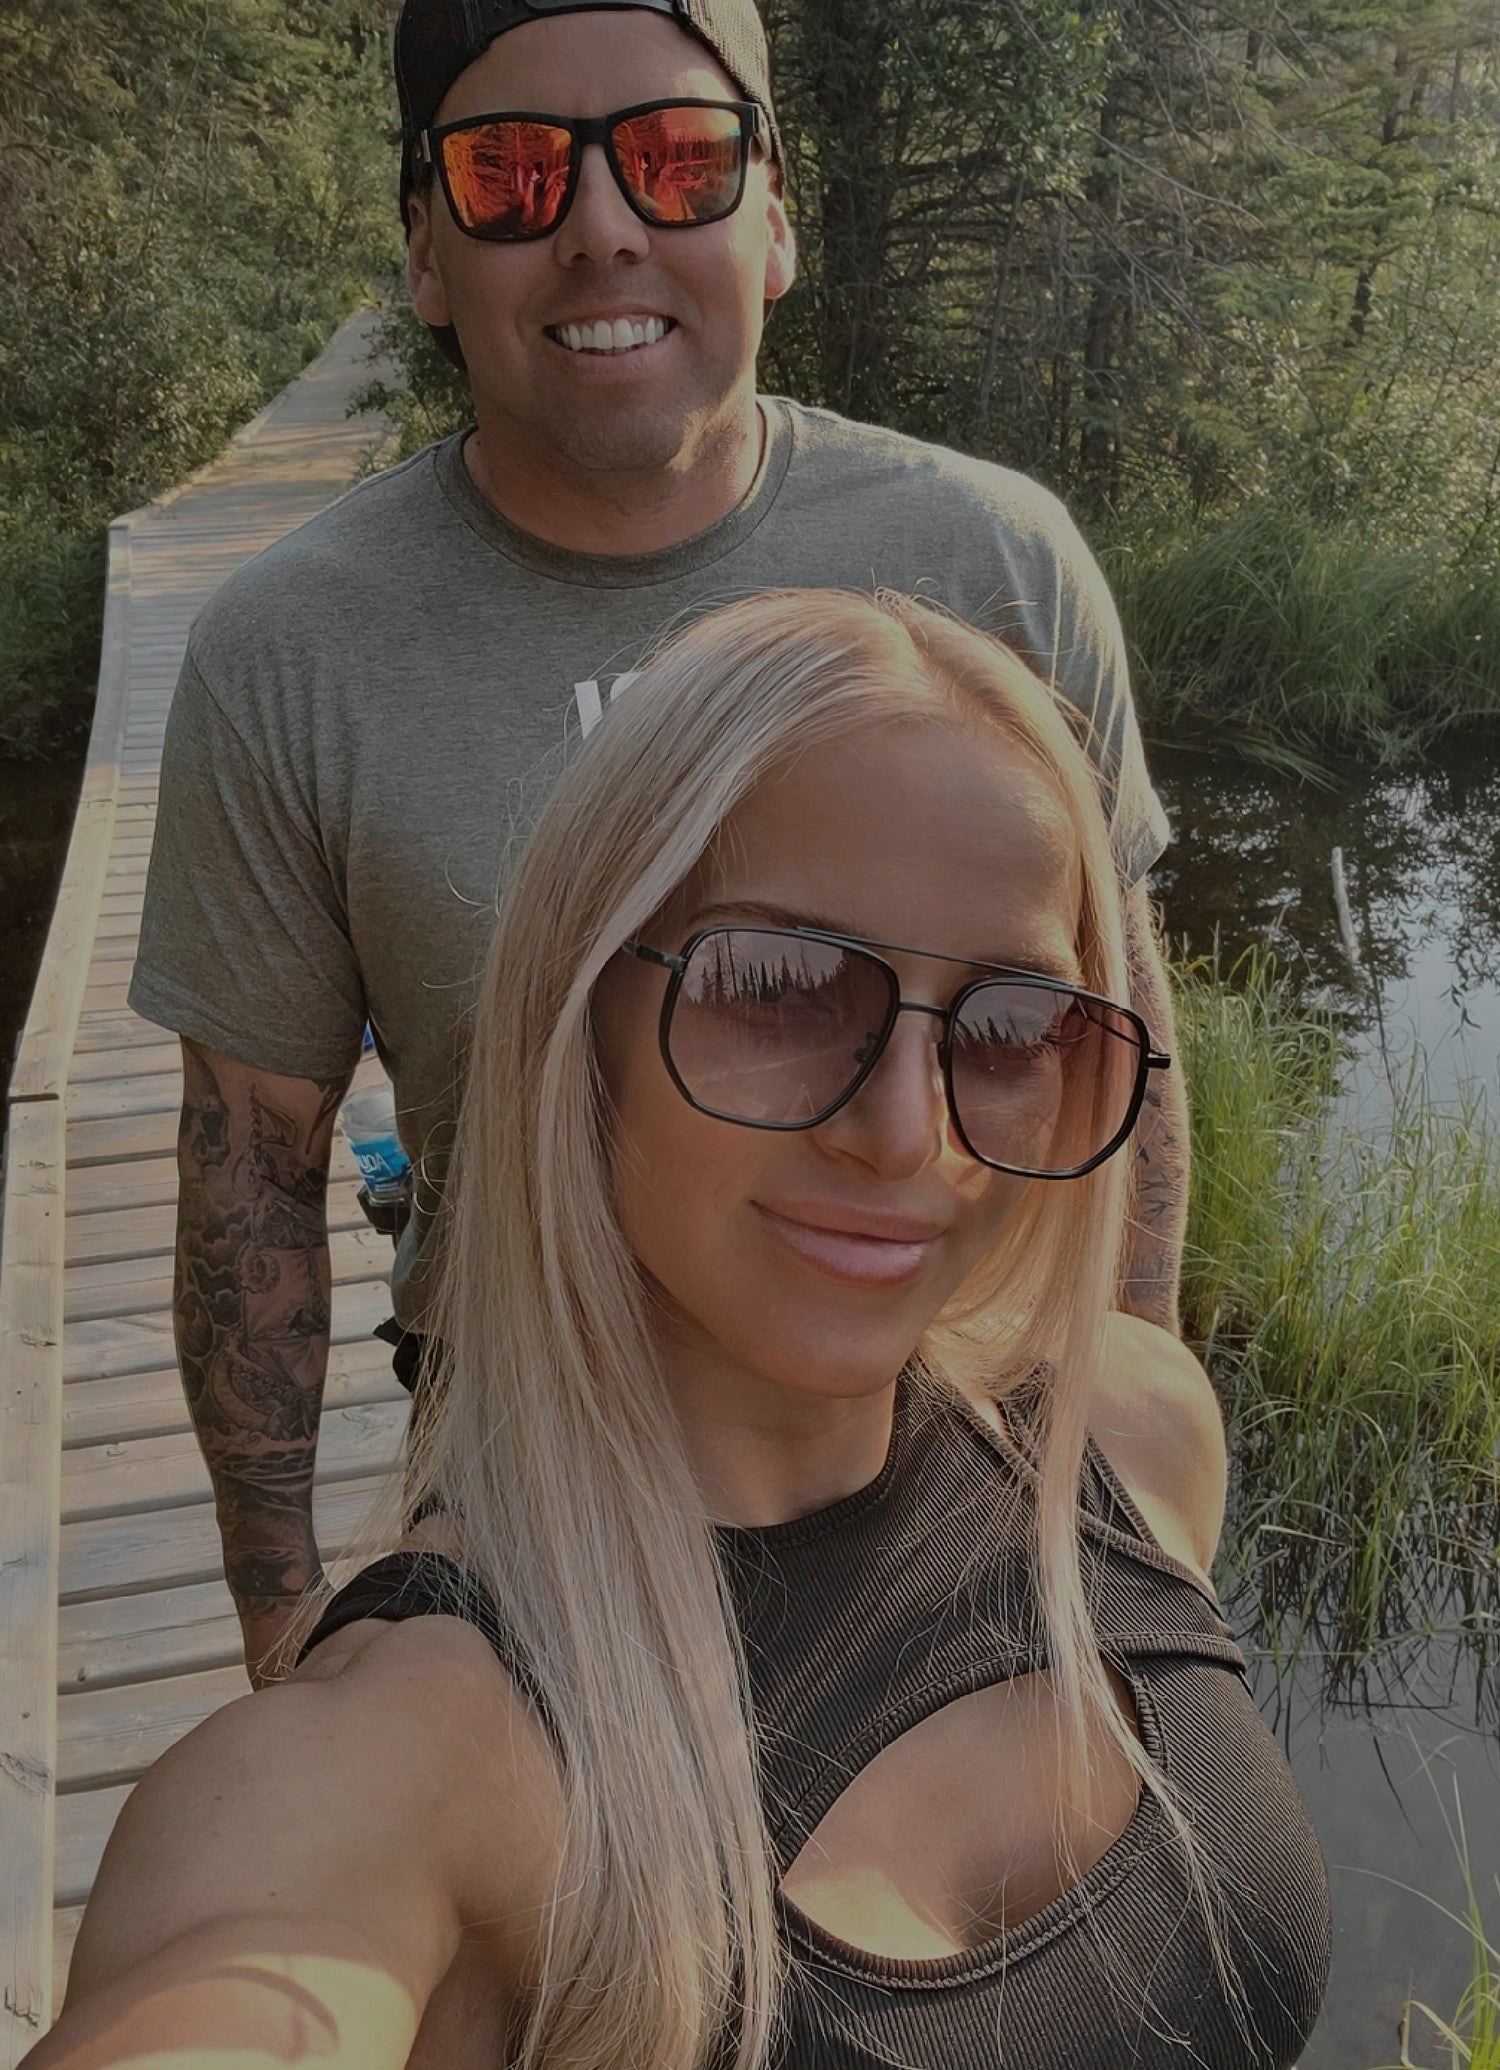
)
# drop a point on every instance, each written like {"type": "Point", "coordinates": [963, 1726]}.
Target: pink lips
{"type": "Point", "coordinates": [860, 1247]}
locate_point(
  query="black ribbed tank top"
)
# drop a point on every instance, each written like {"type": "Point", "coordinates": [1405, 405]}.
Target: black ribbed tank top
{"type": "Point", "coordinates": [867, 1617]}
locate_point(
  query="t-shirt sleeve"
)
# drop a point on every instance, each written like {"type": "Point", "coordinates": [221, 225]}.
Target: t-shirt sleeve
{"type": "Point", "coordinates": [1093, 672]}
{"type": "Point", "coordinates": [244, 939]}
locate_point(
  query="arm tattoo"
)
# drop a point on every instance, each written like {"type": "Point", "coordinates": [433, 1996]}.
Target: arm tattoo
{"type": "Point", "coordinates": [1152, 1274]}
{"type": "Point", "coordinates": [251, 1311]}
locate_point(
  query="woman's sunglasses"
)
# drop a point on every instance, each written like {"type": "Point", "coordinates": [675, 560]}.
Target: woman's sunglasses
{"type": "Point", "coordinates": [777, 1027]}
{"type": "Point", "coordinates": [509, 178]}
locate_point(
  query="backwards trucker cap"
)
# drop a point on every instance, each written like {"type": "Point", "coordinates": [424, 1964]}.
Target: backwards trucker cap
{"type": "Point", "coordinates": [438, 39]}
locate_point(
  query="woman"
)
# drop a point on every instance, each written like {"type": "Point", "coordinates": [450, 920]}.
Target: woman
{"type": "Point", "coordinates": [812, 1660]}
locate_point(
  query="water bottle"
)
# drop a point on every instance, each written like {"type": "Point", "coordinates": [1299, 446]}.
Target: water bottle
{"type": "Point", "coordinates": [368, 1119]}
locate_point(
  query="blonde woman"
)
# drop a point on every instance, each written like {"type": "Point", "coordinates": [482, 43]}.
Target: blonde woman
{"type": "Point", "coordinates": [812, 1663]}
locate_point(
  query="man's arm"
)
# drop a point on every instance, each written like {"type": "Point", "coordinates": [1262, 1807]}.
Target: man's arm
{"type": "Point", "coordinates": [250, 1311]}
{"type": "Point", "coordinates": [1152, 1276]}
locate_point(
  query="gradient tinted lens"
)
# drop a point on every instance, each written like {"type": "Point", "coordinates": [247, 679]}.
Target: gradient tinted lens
{"type": "Point", "coordinates": [507, 179]}
{"type": "Point", "coordinates": [773, 1028]}
{"type": "Point", "coordinates": [682, 165]}
{"type": "Point", "coordinates": [1043, 1081]}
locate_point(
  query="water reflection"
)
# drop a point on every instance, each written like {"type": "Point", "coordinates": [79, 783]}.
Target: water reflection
{"type": "Point", "coordinates": [1251, 862]}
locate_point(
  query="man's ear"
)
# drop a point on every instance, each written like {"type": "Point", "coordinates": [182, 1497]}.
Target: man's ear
{"type": "Point", "coordinates": [781, 257]}
{"type": "Point", "coordinates": [424, 280]}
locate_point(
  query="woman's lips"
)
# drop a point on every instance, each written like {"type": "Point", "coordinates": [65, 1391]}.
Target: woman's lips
{"type": "Point", "coordinates": [857, 1260]}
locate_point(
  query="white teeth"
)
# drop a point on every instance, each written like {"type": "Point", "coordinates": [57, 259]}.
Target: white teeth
{"type": "Point", "coordinates": [623, 335]}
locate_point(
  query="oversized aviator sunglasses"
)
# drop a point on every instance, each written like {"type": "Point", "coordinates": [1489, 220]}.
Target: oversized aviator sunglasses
{"type": "Point", "coordinates": [779, 1027]}
{"type": "Point", "coordinates": [512, 177]}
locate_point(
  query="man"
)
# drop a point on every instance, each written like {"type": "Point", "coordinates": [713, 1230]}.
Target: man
{"type": "Point", "coordinates": [367, 713]}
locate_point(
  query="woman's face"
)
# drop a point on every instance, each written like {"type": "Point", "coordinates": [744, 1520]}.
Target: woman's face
{"type": "Point", "coordinates": [816, 1260]}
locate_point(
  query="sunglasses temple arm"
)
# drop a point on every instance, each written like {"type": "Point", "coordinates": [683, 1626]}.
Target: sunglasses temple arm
{"type": "Point", "coordinates": [645, 955]}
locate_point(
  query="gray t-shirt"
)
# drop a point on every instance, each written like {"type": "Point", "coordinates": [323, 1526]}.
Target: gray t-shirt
{"type": "Point", "coordinates": [372, 713]}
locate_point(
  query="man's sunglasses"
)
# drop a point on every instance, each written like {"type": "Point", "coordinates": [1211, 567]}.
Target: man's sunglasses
{"type": "Point", "coordinates": [778, 1027]}
{"type": "Point", "coordinates": [509, 178]}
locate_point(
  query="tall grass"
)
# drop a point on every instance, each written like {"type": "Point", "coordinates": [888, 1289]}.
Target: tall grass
{"type": "Point", "coordinates": [1344, 1280]}
{"type": "Point", "coordinates": [1291, 636]}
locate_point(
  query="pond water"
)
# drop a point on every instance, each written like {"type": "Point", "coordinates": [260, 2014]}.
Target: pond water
{"type": "Point", "coordinates": [1252, 862]}
{"type": "Point", "coordinates": [36, 815]}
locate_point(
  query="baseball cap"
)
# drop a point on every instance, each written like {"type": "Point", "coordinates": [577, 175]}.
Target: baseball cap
{"type": "Point", "coordinates": [438, 39]}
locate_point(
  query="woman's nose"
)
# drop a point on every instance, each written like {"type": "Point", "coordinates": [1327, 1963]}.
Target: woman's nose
{"type": "Point", "coordinates": [897, 1123]}
{"type": "Point", "coordinates": [600, 224]}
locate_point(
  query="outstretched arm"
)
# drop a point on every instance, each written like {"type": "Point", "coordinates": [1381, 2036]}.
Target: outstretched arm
{"type": "Point", "coordinates": [1152, 1276]}
{"type": "Point", "coordinates": [250, 1311]}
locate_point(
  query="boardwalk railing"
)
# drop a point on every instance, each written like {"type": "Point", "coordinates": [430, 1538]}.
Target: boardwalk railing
{"type": "Point", "coordinates": [116, 1631]}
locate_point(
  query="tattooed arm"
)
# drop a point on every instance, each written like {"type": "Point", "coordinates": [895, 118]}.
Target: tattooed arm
{"type": "Point", "coordinates": [1158, 1194]}
{"type": "Point", "coordinates": [250, 1310]}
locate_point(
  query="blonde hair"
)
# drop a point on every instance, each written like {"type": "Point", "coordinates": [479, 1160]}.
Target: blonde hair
{"type": "Point", "coordinates": [552, 1438]}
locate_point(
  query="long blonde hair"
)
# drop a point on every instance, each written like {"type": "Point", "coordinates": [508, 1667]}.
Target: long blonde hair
{"type": "Point", "coordinates": [552, 1438]}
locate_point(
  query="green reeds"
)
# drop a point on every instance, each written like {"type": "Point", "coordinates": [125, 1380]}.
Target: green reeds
{"type": "Point", "coordinates": [1343, 1277]}
{"type": "Point", "coordinates": [1291, 638]}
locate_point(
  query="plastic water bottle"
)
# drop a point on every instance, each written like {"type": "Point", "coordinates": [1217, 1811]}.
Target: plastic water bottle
{"type": "Point", "coordinates": [368, 1119]}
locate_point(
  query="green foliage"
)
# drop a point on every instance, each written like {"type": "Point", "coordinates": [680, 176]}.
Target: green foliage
{"type": "Point", "coordinates": [1340, 1276]}
{"type": "Point", "coordinates": [190, 197]}
{"type": "Point", "coordinates": [421, 394]}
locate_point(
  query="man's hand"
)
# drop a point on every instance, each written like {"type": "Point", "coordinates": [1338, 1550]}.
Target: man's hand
{"type": "Point", "coordinates": [250, 1308]}
{"type": "Point", "coordinates": [269, 1656]}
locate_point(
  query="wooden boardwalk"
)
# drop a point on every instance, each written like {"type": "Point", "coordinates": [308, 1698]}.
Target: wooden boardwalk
{"type": "Point", "coordinates": [116, 1632]}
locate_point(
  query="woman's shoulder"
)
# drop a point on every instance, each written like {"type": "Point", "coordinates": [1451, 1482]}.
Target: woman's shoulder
{"type": "Point", "coordinates": [1158, 1423]}
{"type": "Point", "coordinates": [397, 1788]}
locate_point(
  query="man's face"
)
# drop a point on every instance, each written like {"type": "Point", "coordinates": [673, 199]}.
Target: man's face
{"type": "Point", "coordinates": [656, 407]}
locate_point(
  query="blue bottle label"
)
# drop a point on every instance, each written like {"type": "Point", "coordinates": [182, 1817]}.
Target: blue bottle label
{"type": "Point", "coordinates": [383, 1165]}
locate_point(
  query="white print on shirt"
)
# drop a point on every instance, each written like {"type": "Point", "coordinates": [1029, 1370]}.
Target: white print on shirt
{"type": "Point", "coordinates": [591, 697]}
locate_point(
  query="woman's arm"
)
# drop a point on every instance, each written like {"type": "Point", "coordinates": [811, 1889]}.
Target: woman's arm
{"type": "Point", "coordinates": [1157, 1421]}
{"type": "Point", "coordinates": [291, 1883]}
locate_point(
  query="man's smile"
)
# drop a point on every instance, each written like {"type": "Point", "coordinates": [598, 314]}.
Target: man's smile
{"type": "Point", "coordinates": [610, 335]}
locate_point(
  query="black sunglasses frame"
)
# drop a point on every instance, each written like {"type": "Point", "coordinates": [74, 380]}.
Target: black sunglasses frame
{"type": "Point", "coordinates": [583, 131]}
{"type": "Point", "coordinates": [1150, 1057]}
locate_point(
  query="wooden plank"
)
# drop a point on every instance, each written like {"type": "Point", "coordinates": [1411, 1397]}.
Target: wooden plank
{"type": "Point", "coordinates": [154, 1057]}
{"type": "Point", "coordinates": [85, 1820]}
{"type": "Point", "coordinates": [114, 1141]}
{"type": "Point", "coordinates": [141, 1231]}
{"type": "Point", "coordinates": [168, 1547]}
{"type": "Point", "coordinates": [152, 1181]}
{"type": "Point", "coordinates": [133, 1476]}
{"type": "Point", "coordinates": [66, 1920]}
{"type": "Point", "coordinates": [164, 1632]}
{"type": "Point", "coordinates": [108, 1736]}
{"type": "Point", "coordinates": [144, 1405]}
{"type": "Point", "coordinates": [156, 1092]}
{"type": "Point", "coordinates": [143, 1343]}
{"type": "Point", "coordinates": [115, 1033]}
{"type": "Point", "coordinates": [126, 1285]}
{"type": "Point", "coordinates": [30, 1430]}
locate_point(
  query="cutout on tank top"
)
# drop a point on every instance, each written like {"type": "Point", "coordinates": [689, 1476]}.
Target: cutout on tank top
{"type": "Point", "coordinates": [948, 1839]}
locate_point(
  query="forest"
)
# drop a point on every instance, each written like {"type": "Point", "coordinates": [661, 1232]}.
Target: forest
{"type": "Point", "coordinates": [192, 192]}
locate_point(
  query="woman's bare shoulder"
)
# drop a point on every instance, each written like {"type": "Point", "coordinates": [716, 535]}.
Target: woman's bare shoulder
{"type": "Point", "coordinates": [1158, 1423]}
{"type": "Point", "coordinates": [397, 1788]}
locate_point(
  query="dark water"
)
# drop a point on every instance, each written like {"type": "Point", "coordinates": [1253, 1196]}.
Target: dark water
{"type": "Point", "coordinates": [1393, 1781]}
{"type": "Point", "coordinates": [36, 816]}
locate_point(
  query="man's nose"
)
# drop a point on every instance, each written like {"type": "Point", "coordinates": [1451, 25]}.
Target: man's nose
{"type": "Point", "coordinates": [601, 225]}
